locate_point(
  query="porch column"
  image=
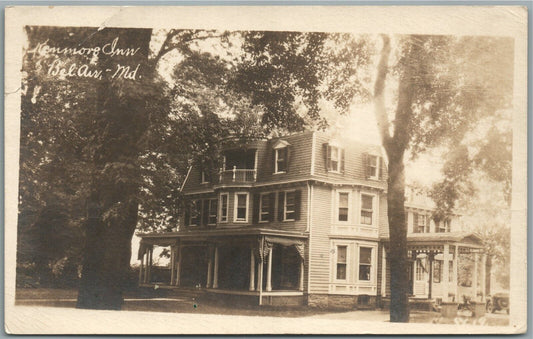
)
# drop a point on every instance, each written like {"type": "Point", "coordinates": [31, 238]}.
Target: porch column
{"type": "Point", "coordinates": [178, 266]}
{"type": "Point", "coordinates": [301, 280]}
{"type": "Point", "coordinates": [430, 258]}
{"type": "Point", "coordinates": [456, 273]}
{"type": "Point", "coordinates": [269, 271]}
{"type": "Point", "coordinates": [172, 264]}
{"type": "Point", "coordinates": [209, 268]}
{"type": "Point", "coordinates": [252, 270]}
{"type": "Point", "coordinates": [474, 277]}
{"type": "Point", "coordinates": [215, 271]}
{"type": "Point", "coordinates": [446, 273]}
{"type": "Point", "coordinates": [147, 265]}
{"type": "Point", "coordinates": [150, 255]}
{"type": "Point", "coordinates": [141, 270]}
{"type": "Point", "coordinates": [483, 275]}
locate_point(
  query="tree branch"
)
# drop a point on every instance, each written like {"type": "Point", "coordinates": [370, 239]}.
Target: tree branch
{"type": "Point", "coordinates": [379, 93]}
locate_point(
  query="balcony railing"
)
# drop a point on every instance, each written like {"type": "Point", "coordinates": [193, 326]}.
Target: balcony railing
{"type": "Point", "coordinates": [237, 175]}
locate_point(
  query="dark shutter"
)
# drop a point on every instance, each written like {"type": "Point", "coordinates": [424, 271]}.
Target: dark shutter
{"type": "Point", "coordinates": [281, 205]}
{"type": "Point", "coordinates": [297, 204]}
{"type": "Point", "coordinates": [415, 222]}
{"type": "Point", "coordinates": [341, 151]}
{"type": "Point", "coordinates": [205, 212]}
{"type": "Point", "coordinates": [256, 210]}
{"type": "Point", "coordinates": [272, 209]}
{"type": "Point", "coordinates": [428, 220]}
{"type": "Point", "coordinates": [365, 165]}
{"type": "Point", "coordinates": [327, 156]}
{"type": "Point", "coordinates": [187, 215]}
{"type": "Point", "coordinates": [381, 168]}
{"type": "Point", "coordinates": [273, 160]}
{"type": "Point", "coordinates": [287, 158]}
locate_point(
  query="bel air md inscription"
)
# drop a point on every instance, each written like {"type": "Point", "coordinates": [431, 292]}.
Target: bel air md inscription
{"type": "Point", "coordinates": [61, 67]}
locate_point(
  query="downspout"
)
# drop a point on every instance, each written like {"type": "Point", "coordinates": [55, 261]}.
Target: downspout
{"type": "Point", "coordinates": [309, 222]}
{"type": "Point", "coordinates": [261, 270]}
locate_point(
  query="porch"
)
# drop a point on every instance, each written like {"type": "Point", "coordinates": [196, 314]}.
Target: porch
{"type": "Point", "coordinates": [444, 267]}
{"type": "Point", "coordinates": [256, 265]}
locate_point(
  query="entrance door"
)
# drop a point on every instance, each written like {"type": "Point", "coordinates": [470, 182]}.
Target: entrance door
{"type": "Point", "coordinates": [420, 283]}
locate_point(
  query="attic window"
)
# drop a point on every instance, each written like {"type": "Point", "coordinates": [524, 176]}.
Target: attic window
{"type": "Point", "coordinates": [281, 156]}
{"type": "Point", "coordinates": [334, 158]}
{"type": "Point", "coordinates": [374, 166]}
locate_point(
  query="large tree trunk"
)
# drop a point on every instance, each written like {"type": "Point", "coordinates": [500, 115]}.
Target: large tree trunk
{"type": "Point", "coordinates": [399, 309]}
{"type": "Point", "coordinates": [113, 205]}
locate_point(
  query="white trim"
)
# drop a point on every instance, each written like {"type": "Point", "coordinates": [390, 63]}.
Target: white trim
{"type": "Point", "coordinates": [309, 242]}
{"type": "Point", "coordinates": [339, 148]}
{"type": "Point", "coordinates": [334, 252]}
{"type": "Point", "coordinates": [373, 260]}
{"type": "Point", "coordinates": [235, 206]}
{"type": "Point", "coordinates": [186, 177]}
{"type": "Point", "coordinates": [220, 207]}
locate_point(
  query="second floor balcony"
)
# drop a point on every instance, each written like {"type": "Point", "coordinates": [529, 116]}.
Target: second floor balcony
{"type": "Point", "coordinates": [237, 175]}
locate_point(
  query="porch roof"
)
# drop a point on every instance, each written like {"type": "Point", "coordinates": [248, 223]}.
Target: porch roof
{"type": "Point", "coordinates": [464, 239]}
{"type": "Point", "coordinates": [211, 233]}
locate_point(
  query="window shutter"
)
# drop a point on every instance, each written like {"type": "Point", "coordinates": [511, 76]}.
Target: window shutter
{"type": "Point", "coordinates": [327, 157]}
{"type": "Point", "coordinates": [273, 161]}
{"type": "Point", "coordinates": [365, 165]}
{"type": "Point", "coordinates": [428, 220]}
{"type": "Point", "coordinates": [342, 159]}
{"type": "Point", "coordinates": [205, 212]}
{"type": "Point", "coordinates": [415, 222]}
{"type": "Point", "coordinates": [187, 215]}
{"type": "Point", "coordinates": [281, 205]}
{"type": "Point", "coordinates": [256, 209]}
{"type": "Point", "coordinates": [272, 208]}
{"type": "Point", "coordinates": [288, 159]}
{"type": "Point", "coordinates": [381, 168]}
{"type": "Point", "coordinates": [297, 204]}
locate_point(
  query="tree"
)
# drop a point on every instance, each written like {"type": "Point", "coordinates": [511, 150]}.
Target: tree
{"type": "Point", "coordinates": [441, 95]}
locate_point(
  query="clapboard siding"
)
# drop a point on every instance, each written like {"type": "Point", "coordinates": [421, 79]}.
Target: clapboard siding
{"type": "Point", "coordinates": [319, 240]}
{"type": "Point", "coordinates": [383, 216]}
{"type": "Point", "coordinates": [299, 164]}
{"type": "Point", "coordinates": [353, 157]}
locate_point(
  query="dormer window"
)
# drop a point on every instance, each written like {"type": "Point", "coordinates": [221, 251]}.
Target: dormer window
{"type": "Point", "coordinates": [203, 178]}
{"type": "Point", "coordinates": [281, 156]}
{"type": "Point", "coordinates": [334, 158]}
{"type": "Point", "coordinates": [372, 166]}
{"type": "Point", "coordinates": [281, 160]}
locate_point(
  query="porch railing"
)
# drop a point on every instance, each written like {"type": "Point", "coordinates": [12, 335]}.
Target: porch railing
{"type": "Point", "coordinates": [237, 175]}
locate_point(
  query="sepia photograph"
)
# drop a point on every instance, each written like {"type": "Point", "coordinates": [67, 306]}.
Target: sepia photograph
{"type": "Point", "coordinates": [266, 170]}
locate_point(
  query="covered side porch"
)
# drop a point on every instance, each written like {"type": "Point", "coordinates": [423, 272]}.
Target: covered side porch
{"type": "Point", "coordinates": [255, 265]}
{"type": "Point", "coordinates": [444, 267]}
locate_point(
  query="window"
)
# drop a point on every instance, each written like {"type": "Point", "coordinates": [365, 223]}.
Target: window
{"type": "Point", "coordinates": [264, 212]}
{"type": "Point", "coordinates": [241, 207]}
{"type": "Point", "coordinates": [367, 209]}
{"type": "Point", "coordinates": [437, 271]}
{"type": "Point", "coordinates": [342, 252]}
{"type": "Point", "coordinates": [372, 167]}
{"type": "Point", "coordinates": [195, 213]}
{"type": "Point", "coordinates": [450, 271]}
{"type": "Point", "coordinates": [212, 218]}
{"type": "Point", "coordinates": [343, 206]}
{"type": "Point", "coordinates": [447, 225]}
{"type": "Point", "coordinates": [290, 206]}
{"type": "Point", "coordinates": [420, 223]}
{"type": "Point", "coordinates": [203, 179]}
{"type": "Point", "coordinates": [281, 160]}
{"type": "Point", "coordinates": [334, 158]}
{"type": "Point", "coordinates": [224, 207]}
{"type": "Point", "coordinates": [365, 263]}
